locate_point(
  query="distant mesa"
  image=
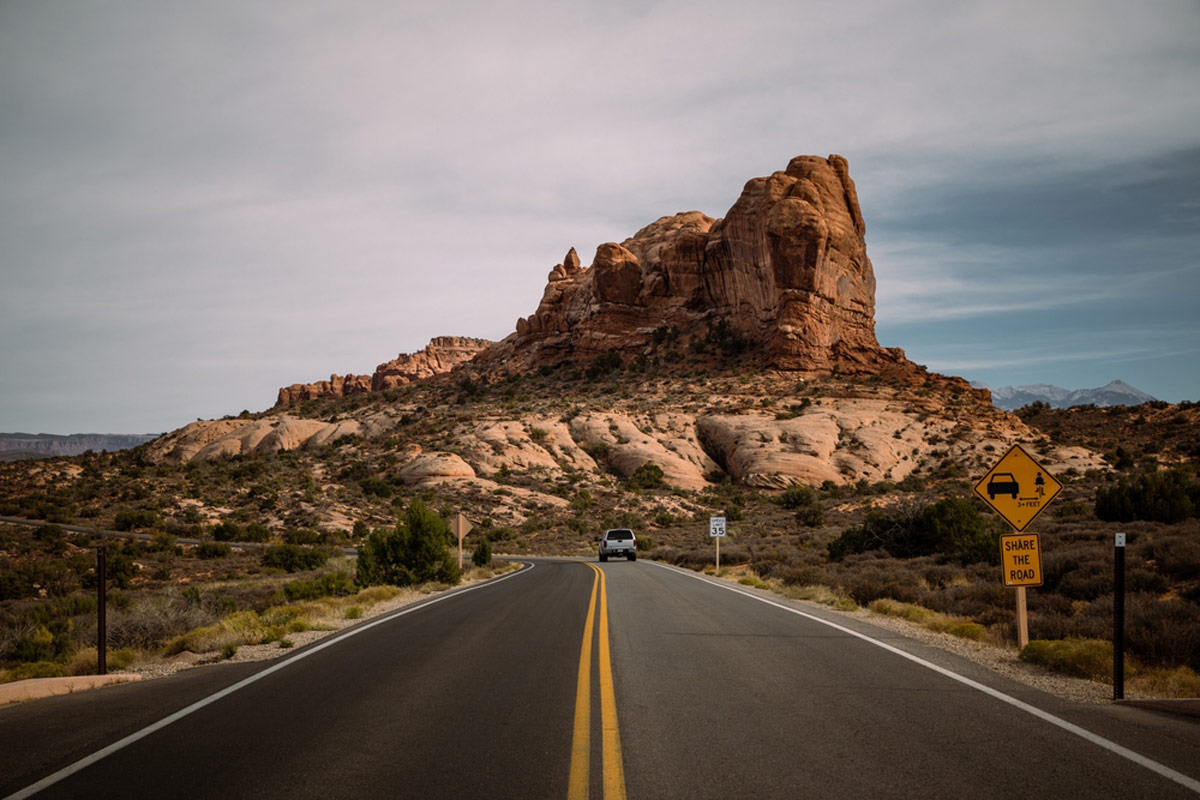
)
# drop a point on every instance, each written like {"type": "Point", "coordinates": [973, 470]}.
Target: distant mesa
{"type": "Point", "coordinates": [15, 446]}
{"type": "Point", "coordinates": [1116, 393]}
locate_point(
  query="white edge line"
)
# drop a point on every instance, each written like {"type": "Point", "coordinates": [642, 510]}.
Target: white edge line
{"type": "Point", "coordinates": [1107, 744]}
{"type": "Point", "coordinates": [121, 744]}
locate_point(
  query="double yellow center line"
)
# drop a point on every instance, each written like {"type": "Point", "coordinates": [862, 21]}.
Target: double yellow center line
{"type": "Point", "coordinates": [581, 743]}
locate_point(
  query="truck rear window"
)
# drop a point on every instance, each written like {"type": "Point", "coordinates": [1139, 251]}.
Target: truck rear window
{"type": "Point", "coordinates": [620, 535]}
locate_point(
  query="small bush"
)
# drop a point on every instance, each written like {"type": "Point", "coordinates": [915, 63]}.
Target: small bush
{"type": "Point", "coordinates": [213, 550]}
{"type": "Point", "coordinates": [1165, 496]}
{"type": "Point", "coordinates": [228, 531]}
{"type": "Point", "coordinates": [647, 476]}
{"type": "Point", "coordinates": [36, 669]}
{"type": "Point", "coordinates": [1082, 658]}
{"type": "Point", "coordinates": [354, 612]}
{"type": "Point", "coordinates": [292, 558]}
{"type": "Point", "coordinates": [416, 551]}
{"type": "Point", "coordinates": [482, 556]}
{"type": "Point", "coordinates": [332, 584]}
{"type": "Point", "coordinates": [952, 529]}
{"type": "Point", "coordinates": [132, 519]}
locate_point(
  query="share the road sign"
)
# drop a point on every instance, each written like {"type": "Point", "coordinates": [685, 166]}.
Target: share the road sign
{"type": "Point", "coordinates": [1018, 488]}
{"type": "Point", "coordinates": [1021, 559]}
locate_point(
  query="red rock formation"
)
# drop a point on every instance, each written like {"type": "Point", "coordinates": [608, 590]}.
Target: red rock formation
{"type": "Point", "coordinates": [786, 269]}
{"type": "Point", "coordinates": [442, 354]}
{"type": "Point", "coordinates": [336, 386]}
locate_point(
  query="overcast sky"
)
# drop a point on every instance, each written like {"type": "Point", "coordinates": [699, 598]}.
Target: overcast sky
{"type": "Point", "coordinates": [201, 202]}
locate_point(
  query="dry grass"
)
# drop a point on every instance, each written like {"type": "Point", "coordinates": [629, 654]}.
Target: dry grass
{"type": "Point", "coordinates": [1179, 682]}
{"type": "Point", "coordinates": [935, 621]}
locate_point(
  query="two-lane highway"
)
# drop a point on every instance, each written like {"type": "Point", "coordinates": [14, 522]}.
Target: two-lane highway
{"type": "Point", "coordinates": [578, 680]}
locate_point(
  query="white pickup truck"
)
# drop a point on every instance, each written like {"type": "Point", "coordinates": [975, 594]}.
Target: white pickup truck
{"type": "Point", "coordinates": [618, 542]}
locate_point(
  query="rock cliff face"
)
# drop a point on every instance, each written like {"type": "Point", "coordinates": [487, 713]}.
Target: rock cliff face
{"type": "Point", "coordinates": [786, 271]}
{"type": "Point", "coordinates": [442, 354]}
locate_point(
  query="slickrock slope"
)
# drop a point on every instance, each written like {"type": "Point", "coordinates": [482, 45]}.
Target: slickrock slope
{"type": "Point", "coordinates": [442, 354]}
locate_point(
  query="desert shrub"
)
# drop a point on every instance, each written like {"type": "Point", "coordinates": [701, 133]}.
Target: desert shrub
{"type": "Point", "coordinates": [256, 532]}
{"type": "Point", "coordinates": [603, 365]}
{"type": "Point", "coordinates": [376, 487]}
{"type": "Point", "coordinates": [150, 621]}
{"type": "Point", "coordinates": [228, 531]}
{"type": "Point", "coordinates": [132, 519]}
{"type": "Point", "coordinates": [952, 529]}
{"type": "Point", "coordinates": [86, 661]}
{"type": "Point", "coordinates": [417, 550]}
{"type": "Point", "coordinates": [213, 550]}
{"type": "Point", "coordinates": [298, 536]}
{"type": "Point", "coordinates": [46, 642]}
{"type": "Point", "coordinates": [1163, 496]}
{"type": "Point", "coordinates": [37, 669]}
{"type": "Point", "coordinates": [292, 558]}
{"type": "Point", "coordinates": [1178, 557]}
{"type": "Point", "coordinates": [1163, 631]}
{"type": "Point", "coordinates": [1083, 658]}
{"type": "Point", "coordinates": [482, 555]}
{"type": "Point", "coordinates": [647, 476]}
{"type": "Point", "coordinates": [869, 583]}
{"type": "Point", "coordinates": [1074, 508]}
{"type": "Point", "coordinates": [331, 584]}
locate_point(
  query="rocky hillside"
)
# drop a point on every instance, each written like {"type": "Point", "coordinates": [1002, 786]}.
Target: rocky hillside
{"type": "Point", "coordinates": [738, 350]}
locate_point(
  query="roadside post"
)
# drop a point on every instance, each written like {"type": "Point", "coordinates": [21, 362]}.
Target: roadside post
{"type": "Point", "coordinates": [716, 530]}
{"type": "Point", "coordinates": [1018, 488]}
{"type": "Point", "coordinates": [461, 528]}
{"type": "Point", "coordinates": [101, 604]}
{"type": "Point", "coordinates": [1119, 617]}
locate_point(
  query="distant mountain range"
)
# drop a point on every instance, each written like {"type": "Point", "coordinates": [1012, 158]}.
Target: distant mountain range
{"type": "Point", "coordinates": [1117, 393]}
{"type": "Point", "coordinates": [14, 446]}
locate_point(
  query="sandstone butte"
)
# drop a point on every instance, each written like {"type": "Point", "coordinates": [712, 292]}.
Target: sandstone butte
{"type": "Point", "coordinates": [785, 271]}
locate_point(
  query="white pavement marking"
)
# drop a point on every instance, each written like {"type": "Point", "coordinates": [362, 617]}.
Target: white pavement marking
{"type": "Point", "coordinates": [1107, 744]}
{"type": "Point", "coordinates": [121, 744]}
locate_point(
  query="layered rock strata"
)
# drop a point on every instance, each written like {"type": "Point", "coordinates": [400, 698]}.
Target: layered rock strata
{"type": "Point", "coordinates": [442, 354]}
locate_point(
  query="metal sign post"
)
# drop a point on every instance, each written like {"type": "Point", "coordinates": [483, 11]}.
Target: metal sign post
{"type": "Point", "coordinates": [716, 529]}
{"type": "Point", "coordinates": [101, 607]}
{"type": "Point", "coordinates": [1119, 617]}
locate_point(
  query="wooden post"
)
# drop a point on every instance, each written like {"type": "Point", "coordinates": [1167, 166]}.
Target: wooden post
{"type": "Point", "coordinates": [1022, 619]}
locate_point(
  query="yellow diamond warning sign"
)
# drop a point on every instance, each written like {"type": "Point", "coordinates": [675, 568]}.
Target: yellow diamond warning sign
{"type": "Point", "coordinates": [1018, 488]}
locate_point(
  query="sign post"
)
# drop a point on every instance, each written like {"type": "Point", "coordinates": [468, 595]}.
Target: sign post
{"type": "Point", "coordinates": [101, 611]}
{"type": "Point", "coordinates": [716, 530]}
{"type": "Point", "coordinates": [461, 528]}
{"type": "Point", "coordinates": [1119, 617]}
{"type": "Point", "coordinates": [1018, 488]}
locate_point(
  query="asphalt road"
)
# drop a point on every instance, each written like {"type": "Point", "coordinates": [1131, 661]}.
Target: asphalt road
{"type": "Point", "coordinates": [580, 680]}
